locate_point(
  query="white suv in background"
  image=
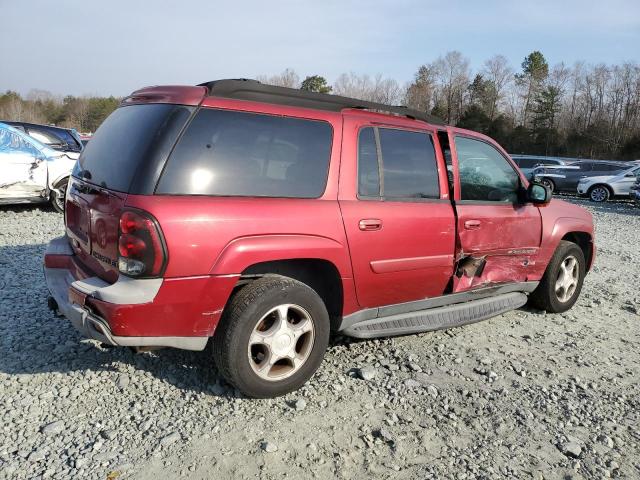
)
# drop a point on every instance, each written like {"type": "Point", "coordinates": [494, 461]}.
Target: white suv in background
{"type": "Point", "coordinates": [602, 188]}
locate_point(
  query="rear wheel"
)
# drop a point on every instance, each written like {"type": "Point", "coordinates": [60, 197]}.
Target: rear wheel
{"type": "Point", "coordinates": [560, 286]}
{"type": "Point", "coordinates": [599, 193]}
{"type": "Point", "coordinates": [272, 337]}
{"type": "Point", "coordinates": [58, 195]}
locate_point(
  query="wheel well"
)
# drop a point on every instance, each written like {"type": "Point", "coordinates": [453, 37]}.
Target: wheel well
{"type": "Point", "coordinates": [601, 185]}
{"type": "Point", "coordinates": [320, 275]}
{"type": "Point", "coordinates": [583, 240]}
{"type": "Point", "coordinates": [56, 184]}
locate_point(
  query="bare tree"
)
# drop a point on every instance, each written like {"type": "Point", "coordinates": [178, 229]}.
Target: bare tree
{"type": "Point", "coordinates": [453, 74]}
{"type": "Point", "coordinates": [498, 71]}
{"type": "Point", "coordinates": [288, 78]}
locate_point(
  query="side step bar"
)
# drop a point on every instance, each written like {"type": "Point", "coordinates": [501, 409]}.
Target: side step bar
{"type": "Point", "coordinates": [436, 318]}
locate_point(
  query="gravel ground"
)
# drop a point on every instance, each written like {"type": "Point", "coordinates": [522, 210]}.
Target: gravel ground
{"type": "Point", "coordinates": [523, 395]}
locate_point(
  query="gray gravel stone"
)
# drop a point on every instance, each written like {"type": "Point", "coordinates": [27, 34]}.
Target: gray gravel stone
{"type": "Point", "coordinates": [367, 373]}
{"type": "Point", "coordinates": [269, 447]}
{"type": "Point", "coordinates": [53, 428]}
{"type": "Point", "coordinates": [169, 439]}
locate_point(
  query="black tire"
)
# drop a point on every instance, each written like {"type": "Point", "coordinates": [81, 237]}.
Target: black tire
{"type": "Point", "coordinates": [246, 309]}
{"type": "Point", "coordinates": [545, 297]}
{"type": "Point", "coordinates": [57, 202]}
{"type": "Point", "coordinates": [548, 183]}
{"type": "Point", "coordinates": [599, 193]}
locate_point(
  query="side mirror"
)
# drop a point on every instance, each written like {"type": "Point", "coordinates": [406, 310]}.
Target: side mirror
{"type": "Point", "coordinates": [630, 175]}
{"type": "Point", "coordinates": [538, 194]}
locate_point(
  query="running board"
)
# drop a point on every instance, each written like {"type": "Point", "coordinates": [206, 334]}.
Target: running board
{"type": "Point", "coordinates": [436, 318]}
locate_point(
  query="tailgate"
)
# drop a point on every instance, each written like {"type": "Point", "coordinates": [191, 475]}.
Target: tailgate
{"type": "Point", "coordinates": [92, 219]}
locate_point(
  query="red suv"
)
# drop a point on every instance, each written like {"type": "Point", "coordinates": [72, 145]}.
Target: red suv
{"type": "Point", "coordinates": [264, 218]}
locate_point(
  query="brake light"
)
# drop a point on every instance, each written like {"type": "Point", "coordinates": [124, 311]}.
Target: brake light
{"type": "Point", "coordinates": [141, 247]}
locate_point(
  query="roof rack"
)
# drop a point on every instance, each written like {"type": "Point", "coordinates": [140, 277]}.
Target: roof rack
{"type": "Point", "coordinates": [246, 89]}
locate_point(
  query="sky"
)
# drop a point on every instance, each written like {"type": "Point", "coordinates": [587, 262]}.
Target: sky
{"type": "Point", "coordinates": [113, 47]}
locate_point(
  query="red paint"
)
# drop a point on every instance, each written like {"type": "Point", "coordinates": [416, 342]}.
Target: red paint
{"type": "Point", "coordinates": [385, 252]}
{"type": "Point", "coordinates": [180, 95]}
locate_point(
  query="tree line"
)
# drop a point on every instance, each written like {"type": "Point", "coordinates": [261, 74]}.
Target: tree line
{"type": "Point", "coordinates": [588, 111]}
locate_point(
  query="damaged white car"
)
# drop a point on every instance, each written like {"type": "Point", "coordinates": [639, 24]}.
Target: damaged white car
{"type": "Point", "coordinates": [31, 172]}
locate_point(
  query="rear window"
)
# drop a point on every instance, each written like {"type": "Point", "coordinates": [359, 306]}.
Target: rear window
{"type": "Point", "coordinates": [132, 140]}
{"type": "Point", "coordinates": [246, 154]}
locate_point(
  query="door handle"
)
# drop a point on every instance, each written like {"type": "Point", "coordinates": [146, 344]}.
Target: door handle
{"type": "Point", "coordinates": [370, 224]}
{"type": "Point", "coordinates": [472, 224]}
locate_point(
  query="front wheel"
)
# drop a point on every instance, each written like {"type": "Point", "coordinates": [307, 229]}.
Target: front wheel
{"type": "Point", "coordinates": [562, 282]}
{"type": "Point", "coordinates": [599, 193]}
{"type": "Point", "coordinates": [272, 337]}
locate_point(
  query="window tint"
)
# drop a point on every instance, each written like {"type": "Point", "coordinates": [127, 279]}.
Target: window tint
{"type": "Point", "coordinates": [408, 161]}
{"type": "Point", "coordinates": [129, 140]}
{"type": "Point", "coordinates": [527, 162]}
{"type": "Point", "coordinates": [608, 167]}
{"type": "Point", "coordinates": [246, 154]}
{"type": "Point", "coordinates": [485, 175]}
{"type": "Point", "coordinates": [368, 172]}
{"type": "Point", "coordinates": [584, 167]}
{"type": "Point", "coordinates": [409, 164]}
{"type": "Point", "coordinates": [548, 162]}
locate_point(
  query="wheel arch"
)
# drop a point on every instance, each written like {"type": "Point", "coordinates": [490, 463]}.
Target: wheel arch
{"type": "Point", "coordinates": [319, 274]}
{"type": "Point", "coordinates": [585, 242]}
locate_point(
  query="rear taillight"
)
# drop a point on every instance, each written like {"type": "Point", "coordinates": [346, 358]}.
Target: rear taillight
{"type": "Point", "coordinates": [141, 247]}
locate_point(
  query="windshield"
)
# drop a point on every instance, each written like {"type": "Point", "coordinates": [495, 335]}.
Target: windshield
{"type": "Point", "coordinates": [130, 139]}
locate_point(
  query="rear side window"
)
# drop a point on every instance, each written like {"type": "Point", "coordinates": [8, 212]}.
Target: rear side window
{"type": "Point", "coordinates": [407, 160]}
{"type": "Point", "coordinates": [230, 153]}
{"type": "Point", "coordinates": [609, 167]}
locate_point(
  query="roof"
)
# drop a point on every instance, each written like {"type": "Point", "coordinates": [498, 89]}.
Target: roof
{"type": "Point", "coordinates": [28, 124]}
{"type": "Point", "coordinates": [245, 89]}
{"type": "Point", "coordinates": [567, 159]}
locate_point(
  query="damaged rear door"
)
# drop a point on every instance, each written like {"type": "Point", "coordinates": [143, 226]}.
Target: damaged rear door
{"type": "Point", "coordinates": [23, 168]}
{"type": "Point", "coordinates": [498, 235]}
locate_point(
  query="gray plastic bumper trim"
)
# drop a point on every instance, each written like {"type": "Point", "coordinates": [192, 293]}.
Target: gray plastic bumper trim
{"type": "Point", "coordinates": [126, 291]}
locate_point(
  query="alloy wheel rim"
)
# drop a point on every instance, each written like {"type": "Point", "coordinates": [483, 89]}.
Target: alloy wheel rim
{"type": "Point", "coordinates": [598, 194]}
{"type": "Point", "coordinates": [281, 342]}
{"type": "Point", "coordinates": [567, 280]}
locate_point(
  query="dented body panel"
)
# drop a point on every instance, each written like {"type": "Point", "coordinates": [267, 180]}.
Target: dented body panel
{"type": "Point", "coordinates": [29, 170]}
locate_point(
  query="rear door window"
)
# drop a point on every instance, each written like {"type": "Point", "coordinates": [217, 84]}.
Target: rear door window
{"type": "Point", "coordinates": [229, 153]}
{"type": "Point", "coordinates": [408, 161]}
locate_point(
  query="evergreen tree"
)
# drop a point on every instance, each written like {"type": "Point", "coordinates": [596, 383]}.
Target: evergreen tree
{"type": "Point", "coordinates": [315, 83]}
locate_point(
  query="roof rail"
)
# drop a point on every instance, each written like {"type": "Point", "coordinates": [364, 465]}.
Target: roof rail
{"type": "Point", "coordinates": [246, 89]}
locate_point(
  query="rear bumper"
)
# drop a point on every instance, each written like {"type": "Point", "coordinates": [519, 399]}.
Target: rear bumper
{"type": "Point", "coordinates": [180, 313]}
